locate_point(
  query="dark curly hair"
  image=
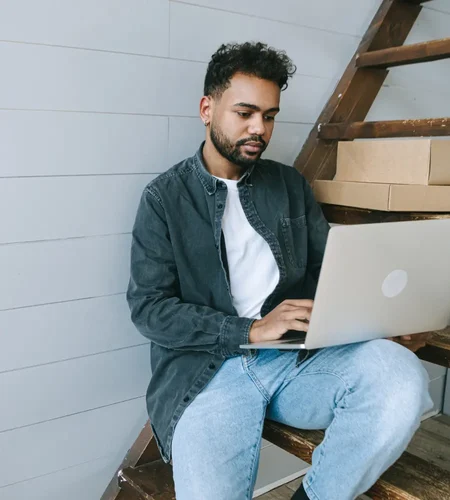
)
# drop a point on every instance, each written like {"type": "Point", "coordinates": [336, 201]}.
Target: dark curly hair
{"type": "Point", "coordinates": [249, 58]}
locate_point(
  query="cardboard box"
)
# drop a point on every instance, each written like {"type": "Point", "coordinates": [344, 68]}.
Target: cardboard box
{"type": "Point", "coordinates": [411, 161]}
{"type": "Point", "coordinates": [387, 197]}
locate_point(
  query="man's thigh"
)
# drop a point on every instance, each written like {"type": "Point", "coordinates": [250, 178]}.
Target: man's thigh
{"type": "Point", "coordinates": [215, 449]}
{"type": "Point", "coordinates": [378, 370]}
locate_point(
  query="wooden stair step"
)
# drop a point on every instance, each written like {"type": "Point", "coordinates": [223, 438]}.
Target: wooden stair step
{"type": "Point", "coordinates": [405, 54]}
{"type": "Point", "coordinates": [410, 478]}
{"type": "Point", "coordinates": [148, 482]}
{"type": "Point", "coordinates": [430, 127]}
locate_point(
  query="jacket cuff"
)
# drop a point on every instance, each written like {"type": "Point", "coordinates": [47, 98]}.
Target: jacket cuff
{"type": "Point", "coordinates": [234, 332]}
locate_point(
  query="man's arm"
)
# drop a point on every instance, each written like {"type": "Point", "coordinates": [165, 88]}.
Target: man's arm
{"type": "Point", "coordinates": [318, 229]}
{"type": "Point", "coordinates": [153, 293]}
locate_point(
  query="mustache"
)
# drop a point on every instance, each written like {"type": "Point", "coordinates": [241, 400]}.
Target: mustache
{"type": "Point", "coordinates": [254, 138]}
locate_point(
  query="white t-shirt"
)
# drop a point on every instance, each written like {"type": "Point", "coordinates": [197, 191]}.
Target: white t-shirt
{"type": "Point", "coordinates": [253, 270]}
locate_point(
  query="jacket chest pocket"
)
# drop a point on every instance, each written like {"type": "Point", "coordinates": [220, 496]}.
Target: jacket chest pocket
{"type": "Point", "coordinates": [295, 235]}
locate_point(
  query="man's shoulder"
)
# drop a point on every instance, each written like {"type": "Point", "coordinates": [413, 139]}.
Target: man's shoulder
{"type": "Point", "coordinates": [172, 176]}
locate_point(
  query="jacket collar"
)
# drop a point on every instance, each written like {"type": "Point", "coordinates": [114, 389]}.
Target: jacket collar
{"type": "Point", "coordinates": [208, 181]}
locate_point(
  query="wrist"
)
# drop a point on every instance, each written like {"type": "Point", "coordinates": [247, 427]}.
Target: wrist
{"type": "Point", "coordinates": [255, 330]}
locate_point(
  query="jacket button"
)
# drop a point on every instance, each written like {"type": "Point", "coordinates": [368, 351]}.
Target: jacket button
{"type": "Point", "coordinates": [220, 206]}
{"type": "Point", "coordinates": [186, 399]}
{"type": "Point", "coordinates": [212, 366]}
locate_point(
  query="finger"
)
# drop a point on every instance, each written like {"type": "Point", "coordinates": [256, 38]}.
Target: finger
{"type": "Point", "coordinates": [299, 326]}
{"type": "Point", "coordinates": [298, 313]}
{"type": "Point", "coordinates": [299, 302]}
{"type": "Point", "coordinates": [406, 337]}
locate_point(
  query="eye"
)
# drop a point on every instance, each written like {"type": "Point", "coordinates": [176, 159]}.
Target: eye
{"type": "Point", "coordinates": [269, 118]}
{"type": "Point", "coordinates": [243, 114]}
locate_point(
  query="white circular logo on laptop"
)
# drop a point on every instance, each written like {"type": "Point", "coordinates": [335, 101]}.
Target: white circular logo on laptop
{"type": "Point", "coordinates": [394, 283]}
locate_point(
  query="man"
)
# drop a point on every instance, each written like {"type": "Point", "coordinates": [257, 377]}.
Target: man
{"type": "Point", "coordinates": [227, 249]}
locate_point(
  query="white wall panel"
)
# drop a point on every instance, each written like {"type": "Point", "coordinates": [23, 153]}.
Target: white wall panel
{"type": "Point", "coordinates": [86, 481]}
{"type": "Point", "coordinates": [137, 26]}
{"type": "Point", "coordinates": [55, 78]}
{"type": "Point", "coordinates": [345, 16]}
{"type": "Point", "coordinates": [56, 390]}
{"type": "Point", "coordinates": [429, 77]}
{"type": "Point", "coordinates": [51, 143]}
{"type": "Point", "coordinates": [45, 334]}
{"type": "Point", "coordinates": [398, 103]}
{"type": "Point", "coordinates": [317, 53]}
{"type": "Point", "coordinates": [287, 141]}
{"type": "Point", "coordinates": [52, 446]}
{"type": "Point", "coordinates": [56, 271]}
{"type": "Point", "coordinates": [185, 137]}
{"type": "Point", "coordinates": [63, 207]}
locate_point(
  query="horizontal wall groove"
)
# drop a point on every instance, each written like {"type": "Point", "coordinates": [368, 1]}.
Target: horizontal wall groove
{"type": "Point", "coordinates": [71, 414]}
{"type": "Point", "coordinates": [62, 301]}
{"type": "Point", "coordinates": [280, 21]}
{"type": "Point", "coordinates": [90, 355]}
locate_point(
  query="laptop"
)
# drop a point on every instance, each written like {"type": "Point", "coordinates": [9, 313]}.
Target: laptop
{"type": "Point", "coordinates": [378, 281]}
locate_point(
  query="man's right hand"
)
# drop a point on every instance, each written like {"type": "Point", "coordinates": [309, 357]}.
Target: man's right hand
{"type": "Point", "coordinates": [289, 315]}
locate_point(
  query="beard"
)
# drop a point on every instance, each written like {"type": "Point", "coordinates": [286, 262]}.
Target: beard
{"type": "Point", "coordinates": [232, 152]}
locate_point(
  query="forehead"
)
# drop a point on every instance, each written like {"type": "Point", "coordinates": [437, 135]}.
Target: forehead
{"type": "Point", "coordinates": [253, 90]}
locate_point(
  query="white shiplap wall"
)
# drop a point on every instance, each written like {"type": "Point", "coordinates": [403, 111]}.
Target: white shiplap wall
{"type": "Point", "coordinates": [96, 98]}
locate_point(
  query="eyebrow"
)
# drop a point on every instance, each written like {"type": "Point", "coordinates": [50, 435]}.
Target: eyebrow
{"type": "Point", "coordinates": [254, 107]}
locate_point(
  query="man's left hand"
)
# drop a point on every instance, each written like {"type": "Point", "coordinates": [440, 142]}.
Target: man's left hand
{"type": "Point", "coordinates": [412, 342]}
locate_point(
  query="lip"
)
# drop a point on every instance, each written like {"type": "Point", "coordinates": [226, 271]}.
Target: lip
{"type": "Point", "coordinates": [253, 147]}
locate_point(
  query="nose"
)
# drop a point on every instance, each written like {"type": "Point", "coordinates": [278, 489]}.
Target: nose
{"type": "Point", "coordinates": [256, 125]}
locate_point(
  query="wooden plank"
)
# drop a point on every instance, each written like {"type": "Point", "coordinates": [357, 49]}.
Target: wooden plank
{"type": "Point", "coordinates": [431, 127]}
{"type": "Point", "coordinates": [405, 54]}
{"type": "Point", "coordinates": [357, 88]}
{"type": "Point", "coordinates": [337, 214]}
{"type": "Point", "coordinates": [410, 478]}
{"type": "Point", "coordinates": [437, 349]}
{"type": "Point", "coordinates": [153, 482]}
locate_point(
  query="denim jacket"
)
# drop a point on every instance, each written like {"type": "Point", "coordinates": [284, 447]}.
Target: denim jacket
{"type": "Point", "coordinates": [179, 291]}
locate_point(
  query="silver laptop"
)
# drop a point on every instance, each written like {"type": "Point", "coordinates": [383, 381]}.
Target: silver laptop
{"type": "Point", "coordinates": [378, 281]}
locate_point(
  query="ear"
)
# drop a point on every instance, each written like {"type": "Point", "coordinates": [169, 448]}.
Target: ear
{"type": "Point", "coordinates": [206, 109]}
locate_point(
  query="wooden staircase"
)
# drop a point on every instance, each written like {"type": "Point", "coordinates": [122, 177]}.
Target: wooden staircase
{"type": "Point", "coordinates": [144, 475]}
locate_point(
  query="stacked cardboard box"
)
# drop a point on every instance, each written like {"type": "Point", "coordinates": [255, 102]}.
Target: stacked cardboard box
{"type": "Point", "coordinates": [393, 175]}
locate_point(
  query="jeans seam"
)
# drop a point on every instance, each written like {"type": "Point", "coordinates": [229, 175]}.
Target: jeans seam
{"type": "Point", "coordinates": [328, 432]}
{"type": "Point", "coordinates": [249, 494]}
{"type": "Point", "coordinates": [255, 380]}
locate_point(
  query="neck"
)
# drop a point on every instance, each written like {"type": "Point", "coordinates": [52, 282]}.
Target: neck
{"type": "Point", "coordinates": [219, 166]}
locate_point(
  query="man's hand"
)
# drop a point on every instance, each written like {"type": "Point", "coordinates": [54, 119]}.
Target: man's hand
{"type": "Point", "coordinates": [412, 342]}
{"type": "Point", "coordinates": [289, 315]}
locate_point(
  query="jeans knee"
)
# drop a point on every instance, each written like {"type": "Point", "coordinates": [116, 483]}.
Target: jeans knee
{"type": "Point", "coordinates": [398, 378]}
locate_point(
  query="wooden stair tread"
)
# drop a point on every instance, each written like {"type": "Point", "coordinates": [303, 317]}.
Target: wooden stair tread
{"type": "Point", "coordinates": [149, 482]}
{"type": "Point", "coordinates": [338, 214]}
{"type": "Point", "coordinates": [347, 131]}
{"type": "Point", "coordinates": [410, 478]}
{"type": "Point", "coordinates": [405, 54]}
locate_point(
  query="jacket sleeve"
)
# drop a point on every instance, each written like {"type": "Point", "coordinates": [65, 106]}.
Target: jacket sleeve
{"type": "Point", "coordinates": [318, 229]}
{"type": "Point", "coordinates": [154, 296]}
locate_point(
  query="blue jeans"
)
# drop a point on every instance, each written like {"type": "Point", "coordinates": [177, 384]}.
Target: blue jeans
{"type": "Point", "coordinates": [368, 396]}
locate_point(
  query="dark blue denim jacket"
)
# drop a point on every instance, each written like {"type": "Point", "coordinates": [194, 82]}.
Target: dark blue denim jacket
{"type": "Point", "coordinates": [179, 291]}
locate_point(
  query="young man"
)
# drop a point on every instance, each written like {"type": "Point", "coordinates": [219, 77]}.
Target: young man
{"type": "Point", "coordinates": [227, 249]}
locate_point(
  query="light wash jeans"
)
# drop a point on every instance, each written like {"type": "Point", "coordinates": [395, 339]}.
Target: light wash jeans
{"type": "Point", "coordinates": [368, 396]}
